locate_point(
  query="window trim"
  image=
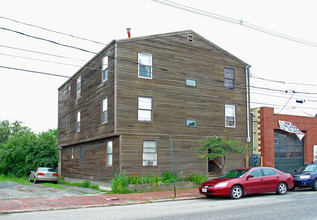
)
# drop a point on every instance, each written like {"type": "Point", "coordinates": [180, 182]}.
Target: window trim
{"type": "Point", "coordinates": [190, 80]}
{"type": "Point", "coordinates": [227, 78]}
{"type": "Point", "coordinates": [109, 154]}
{"type": "Point", "coordinates": [234, 116]}
{"type": "Point", "coordinates": [192, 120]}
{"type": "Point", "coordinates": [104, 110]}
{"type": "Point", "coordinates": [103, 68]}
{"type": "Point", "coordinates": [78, 121]}
{"type": "Point", "coordinates": [143, 109]}
{"type": "Point", "coordinates": [139, 63]}
{"type": "Point", "coordinates": [78, 87]}
{"type": "Point", "coordinates": [155, 154]}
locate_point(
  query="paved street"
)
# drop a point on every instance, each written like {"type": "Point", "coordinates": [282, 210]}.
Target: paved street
{"type": "Point", "coordinates": [294, 205]}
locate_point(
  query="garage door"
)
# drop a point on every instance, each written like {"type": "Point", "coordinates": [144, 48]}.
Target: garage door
{"type": "Point", "coordinates": [289, 151]}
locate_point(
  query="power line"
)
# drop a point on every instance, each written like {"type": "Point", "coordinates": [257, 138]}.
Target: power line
{"type": "Point", "coordinates": [53, 31]}
{"type": "Point", "coordinates": [234, 21]}
{"type": "Point", "coordinates": [47, 40]}
{"type": "Point", "coordinates": [282, 82]}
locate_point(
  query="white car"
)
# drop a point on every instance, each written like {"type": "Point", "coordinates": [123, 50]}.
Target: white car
{"type": "Point", "coordinates": [44, 174]}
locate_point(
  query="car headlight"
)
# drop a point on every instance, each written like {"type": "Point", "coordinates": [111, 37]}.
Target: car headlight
{"type": "Point", "coordinates": [304, 177]}
{"type": "Point", "coordinates": [223, 184]}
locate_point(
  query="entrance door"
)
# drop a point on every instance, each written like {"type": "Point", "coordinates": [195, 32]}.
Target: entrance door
{"type": "Point", "coordinates": [289, 151]}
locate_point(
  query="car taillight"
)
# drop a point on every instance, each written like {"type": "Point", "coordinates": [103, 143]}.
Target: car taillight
{"type": "Point", "coordinates": [40, 174]}
{"type": "Point", "coordinates": [55, 174]}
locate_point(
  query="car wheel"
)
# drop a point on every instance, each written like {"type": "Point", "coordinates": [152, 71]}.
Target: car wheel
{"type": "Point", "coordinates": [315, 185]}
{"type": "Point", "coordinates": [35, 181]}
{"type": "Point", "coordinates": [281, 188]}
{"type": "Point", "coordinates": [236, 192]}
{"type": "Point", "coordinates": [30, 180]}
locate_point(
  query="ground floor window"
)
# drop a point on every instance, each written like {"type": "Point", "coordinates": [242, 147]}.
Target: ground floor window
{"type": "Point", "coordinates": [149, 153]}
{"type": "Point", "coordinates": [109, 153]}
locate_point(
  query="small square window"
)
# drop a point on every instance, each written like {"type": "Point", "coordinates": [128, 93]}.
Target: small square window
{"type": "Point", "coordinates": [191, 123]}
{"type": "Point", "coordinates": [190, 82]}
{"type": "Point", "coordinates": [190, 38]}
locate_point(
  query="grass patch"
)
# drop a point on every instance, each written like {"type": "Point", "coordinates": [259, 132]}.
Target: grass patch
{"type": "Point", "coordinates": [12, 178]}
{"type": "Point", "coordinates": [57, 186]}
{"type": "Point", "coordinates": [85, 184]}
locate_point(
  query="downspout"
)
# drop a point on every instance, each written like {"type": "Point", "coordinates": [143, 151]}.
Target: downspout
{"type": "Point", "coordinates": [252, 118]}
{"type": "Point", "coordinates": [248, 101]}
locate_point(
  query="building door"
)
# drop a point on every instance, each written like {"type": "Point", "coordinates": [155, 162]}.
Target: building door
{"type": "Point", "coordinates": [289, 151]}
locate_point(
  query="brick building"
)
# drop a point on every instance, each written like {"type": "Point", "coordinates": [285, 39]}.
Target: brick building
{"type": "Point", "coordinates": [282, 149]}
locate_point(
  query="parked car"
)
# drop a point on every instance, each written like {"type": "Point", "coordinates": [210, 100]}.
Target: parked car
{"type": "Point", "coordinates": [44, 174]}
{"type": "Point", "coordinates": [240, 182]}
{"type": "Point", "coordinates": [306, 176]}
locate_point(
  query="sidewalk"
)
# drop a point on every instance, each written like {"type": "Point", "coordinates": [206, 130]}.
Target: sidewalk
{"type": "Point", "coordinates": [69, 202]}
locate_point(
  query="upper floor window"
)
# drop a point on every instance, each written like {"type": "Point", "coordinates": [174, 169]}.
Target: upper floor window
{"type": "Point", "coordinates": [68, 122]}
{"type": "Point", "coordinates": [190, 82]}
{"type": "Point", "coordinates": [109, 153]}
{"type": "Point", "coordinates": [78, 86]}
{"type": "Point", "coordinates": [69, 90]}
{"type": "Point", "coordinates": [145, 65]}
{"type": "Point", "coordinates": [230, 116]}
{"type": "Point", "coordinates": [78, 122]}
{"type": "Point", "coordinates": [229, 78]}
{"type": "Point", "coordinates": [105, 68]}
{"type": "Point", "coordinates": [144, 109]}
{"type": "Point", "coordinates": [105, 110]}
{"type": "Point", "coordinates": [149, 153]}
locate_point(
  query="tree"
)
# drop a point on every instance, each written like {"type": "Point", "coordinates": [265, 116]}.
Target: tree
{"type": "Point", "coordinates": [24, 151]}
{"type": "Point", "coordinates": [219, 147]}
{"type": "Point", "coordinates": [8, 130]}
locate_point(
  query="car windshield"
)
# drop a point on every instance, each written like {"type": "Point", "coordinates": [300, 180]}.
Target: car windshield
{"type": "Point", "coordinates": [44, 169]}
{"type": "Point", "coordinates": [235, 173]}
{"type": "Point", "coordinates": [308, 168]}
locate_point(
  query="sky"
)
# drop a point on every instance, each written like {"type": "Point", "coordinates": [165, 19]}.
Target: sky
{"type": "Point", "coordinates": [282, 70]}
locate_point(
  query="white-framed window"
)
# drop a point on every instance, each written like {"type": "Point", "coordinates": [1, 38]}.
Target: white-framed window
{"type": "Point", "coordinates": [145, 65]}
{"type": "Point", "coordinates": [190, 82]}
{"type": "Point", "coordinates": [109, 153]}
{"type": "Point", "coordinates": [149, 153]}
{"type": "Point", "coordinates": [230, 116]}
{"type": "Point", "coordinates": [72, 153]}
{"type": "Point", "coordinates": [105, 68]}
{"type": "Point", "coordinates": [78, 86]}
{"type": "Point", "coordinates": [229, 75]}
{"type": "Point", "coordinates": [144, 109]}
{"type": "Point", "coordinates": [104, 111]}
{"type": "Point", "coordinates": [191, 123]}
{"type": "Point", "coordinates": [78, 122]}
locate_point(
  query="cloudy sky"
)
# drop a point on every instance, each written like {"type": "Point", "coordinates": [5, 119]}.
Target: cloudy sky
{"type": "Point", "coordinates": [242, 28]}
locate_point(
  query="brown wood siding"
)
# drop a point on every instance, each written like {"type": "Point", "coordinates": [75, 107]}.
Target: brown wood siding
{"type": "Point", "coordinates": [93, 91]}
{"type": "Point", "coordinates": [95, 160]}
{"type": "Point", "coordinates": [185, 157]}
{"type": "Point", "coordinates": [174, 61]}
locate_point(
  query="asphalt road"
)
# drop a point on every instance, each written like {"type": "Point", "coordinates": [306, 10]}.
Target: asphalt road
{"type": "Point", "coordinates": [294, 205]}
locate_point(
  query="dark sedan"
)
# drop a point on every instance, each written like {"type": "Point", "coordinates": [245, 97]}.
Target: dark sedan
{"type": "Point", "coordinates": [240, 182]}
{"type": "Point", "coordinates": [306, 176]}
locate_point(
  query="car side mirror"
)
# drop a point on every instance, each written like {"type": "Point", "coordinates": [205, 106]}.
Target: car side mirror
{"type": "Point", "coordinates": [295, 171]}
{"type": "Point", "coordinates": [249, 176]}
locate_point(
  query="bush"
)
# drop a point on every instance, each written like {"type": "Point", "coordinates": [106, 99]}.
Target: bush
{"type": "Point", "coordinates": [197, 179]}
{"type": "Point", "coordinates": [120, 183]}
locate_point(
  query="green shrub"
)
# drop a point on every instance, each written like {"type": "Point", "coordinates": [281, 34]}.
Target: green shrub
{"type": "Point", "coordinates": [197, 179]}
{"type": "Point", "coordinates": [86, 184]}
{"type": "Point", "coordinates": [120, 183]}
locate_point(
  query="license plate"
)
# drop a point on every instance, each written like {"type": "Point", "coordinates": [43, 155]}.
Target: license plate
{"type": "Point", "coordinates": [204, 190]}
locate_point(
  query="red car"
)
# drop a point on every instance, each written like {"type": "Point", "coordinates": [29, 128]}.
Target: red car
{"type": "Point", "coordinates": [245, 181]}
